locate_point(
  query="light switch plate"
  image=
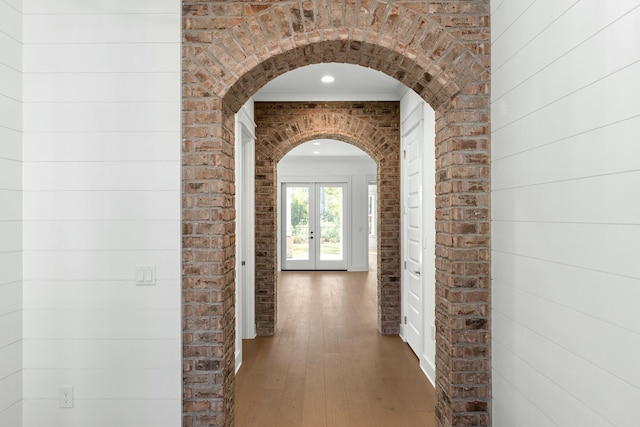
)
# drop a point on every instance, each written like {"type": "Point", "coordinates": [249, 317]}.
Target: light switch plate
{"type": "Point", "coordinates": [145, 275]}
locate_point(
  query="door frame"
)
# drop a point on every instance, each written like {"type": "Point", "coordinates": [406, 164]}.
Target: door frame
{"type": "Point", "coordinates": [414, 119]}
{"type": "Point", "coordinates": [314, 183]}
{"type": "Point", "coordinates": [245, 231]}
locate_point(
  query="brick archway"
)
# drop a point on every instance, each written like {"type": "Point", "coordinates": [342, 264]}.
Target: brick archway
{"type": "Point", "coordinates": [373, 127]}
{"type": "Point", "coordinates": [439, 50]}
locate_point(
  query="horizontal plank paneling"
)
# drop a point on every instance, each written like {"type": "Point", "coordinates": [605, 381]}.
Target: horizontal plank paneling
{"type": "Point", "coordinates": [10, 113]}
{"type": "Point", "coordinates": [565, 114]}
{"type": "Point", "coordinates": [102, 117]}
{"type": "Point", "coordinates": [10, 297]}
{"type": "Point", "coordinates": [11, 117]}
{"type": "Point", "coordinates": [102, 176]}
{"type": "Point", "coordinates": [507, 42]}
{"type": "Point", "coordinates": [102, 354]}
{"type": "Point", "coordinates": [102, 146]}
{"type": "Point", "coordinates": [11, 51]}
{"type": "Point", "coordinates": [530, 55]}
{"type": "Point", "coordinates": [11, 233]}
{"type": "Point", "coordinates": [11, 267]}
{"type": "Point", "coordinates": [103, 28]}
{"type": "Point", "coordinates": [616, 345]}
{"type": "Point", "coordinates": [105, 58]}
{"type": "Point", "coordinates": [105, 235]}
{"type": "Point", "coordinates": [98, 266]}
{"type": "Point", "coordinates": [112, 412]}
{"type": "Point", "coordinates": [514, 402]}
{"type": "Point", "coordinates": [102, 195]}
{"type": "Point", "coordinates": [103, 205]}
{"type": "Point", "coordinates": [580, 156]}
{"type": "Point", "coordinates": [112, 6]}
{"type": "Point", "coordinates": [10, 328]}
{"type": "Point", "coordinates": [10, 398]}
{"type": "Point", "coordinates": [10, 175]}
{"type": "Point", "coordinates": [611, 297]}
{"type": "Point", "coordinates": [11, 148]}
{"type": "Point", "coordinates": [8, 78]}
{"type": "Point", "coordinates": [147, 384]}
{"type": "Point", "coordinates": [12, 416]}
{"type": "Point", "coordinates": [576, 75]}
{"type": "Point", "coordinates": [101, 295]}
{"type": "Point", "coordinates": [593, 200]}
{"type": "Point", "coordinates": [104, 324]}
{"type": "Point", "coordinates": [98, 87]}
{"type": "Point", "coordinates": [11, 20]}
{"type": "Point", "coordinates": [588, 110]}
{"type": "Point", "coordinates": [574, 375]}
{"type": "Point", "coordinates": [597, 247]}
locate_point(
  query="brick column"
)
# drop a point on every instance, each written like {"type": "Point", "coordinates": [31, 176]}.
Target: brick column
{"type": "Point", "coordinates": [208, 262]}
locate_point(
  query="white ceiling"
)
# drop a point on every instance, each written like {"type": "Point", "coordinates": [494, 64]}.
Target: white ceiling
{"type": "Point", "coordinates": [352, 83]}
{"type": "Point", "coordinates": [326, 148]}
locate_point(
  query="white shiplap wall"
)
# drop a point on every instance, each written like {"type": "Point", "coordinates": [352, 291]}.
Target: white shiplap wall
{"type": "Point", "coordinates": [566, 212]}
{"type": "Point", "coordinates": [10, 213]}
{"type": "Point", "coordinates": [101, 195]}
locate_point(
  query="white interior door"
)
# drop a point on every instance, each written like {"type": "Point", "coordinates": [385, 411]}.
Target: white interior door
{"type": "Point", "coordinates": [314, 235]}
{"type": "Point", "coordinates": [245, 233]}
{"type": "Point", "coordinates": [412, 198]}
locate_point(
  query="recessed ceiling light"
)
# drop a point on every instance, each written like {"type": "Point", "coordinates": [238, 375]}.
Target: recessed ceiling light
{"type": "Point", "coordinates": [327, 79]}
{"type": "Point", "coordinates": [316, 152]}
{"type": "Point", "coordinates": [316, 143]}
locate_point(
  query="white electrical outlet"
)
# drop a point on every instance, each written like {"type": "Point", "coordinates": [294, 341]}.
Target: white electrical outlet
{"type": "Point", "coordinates": [65, 397]}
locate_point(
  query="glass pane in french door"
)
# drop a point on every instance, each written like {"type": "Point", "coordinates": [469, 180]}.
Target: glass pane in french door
{"type": "Point", "coordinates": [297, 223]}
{"type": "Point", "coordinates": [331, 218]}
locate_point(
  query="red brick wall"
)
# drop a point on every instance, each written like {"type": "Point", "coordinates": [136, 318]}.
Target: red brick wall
{"type": "Point", "coordinates": [439, 49]}
{"type": "Point", "coordinates": [372, 126]}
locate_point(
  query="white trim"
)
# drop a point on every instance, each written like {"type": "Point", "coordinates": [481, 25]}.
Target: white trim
{"type": "Point", "coordinates": [245, 118]}
{"type": "Point", "coordinates": [249, 324]}
{"type": "Point", "coordinates": [238, 360]}
{"type": "Point", "coordinates": [428, 368]}
{"type": "Point", "coordinates": [314, 184]}
{"type": "Point", "coordinates": [306, 179]}
{"type": "Point", "coordinates": [245, 227]}
{"type": "Point", "coordinates": [402, 328]}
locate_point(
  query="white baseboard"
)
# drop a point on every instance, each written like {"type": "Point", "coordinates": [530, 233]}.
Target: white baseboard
{"type": "Point", "coordinates": [238, 360]}
{"type": "Point", "coordinates": [429, 369]}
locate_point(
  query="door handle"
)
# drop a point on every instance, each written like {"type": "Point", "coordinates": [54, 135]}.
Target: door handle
{"type": "Point", "coordinates": [417, 273]}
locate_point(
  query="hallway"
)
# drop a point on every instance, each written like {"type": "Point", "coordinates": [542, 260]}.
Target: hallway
{"type": "Point", "coordinates": [327, 365]}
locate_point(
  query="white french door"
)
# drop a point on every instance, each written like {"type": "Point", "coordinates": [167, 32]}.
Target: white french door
{"type": "Point", "coordinates": [314, 235]}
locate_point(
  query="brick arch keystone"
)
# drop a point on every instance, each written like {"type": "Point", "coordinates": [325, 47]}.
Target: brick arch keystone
{"type": "Point", "coordinates": [440, 50]}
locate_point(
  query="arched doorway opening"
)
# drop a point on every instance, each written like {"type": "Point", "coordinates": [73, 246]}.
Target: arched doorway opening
{"type": "Point", "coordinates": [370, 126]}
{"type": "Point", "coordinates": [231, 51]}
{"type": "Point", "coordinates": [322, 207]}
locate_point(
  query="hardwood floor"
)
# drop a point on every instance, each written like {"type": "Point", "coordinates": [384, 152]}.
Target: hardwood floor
{"type": "Point", "coordinates": [327, 365]}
